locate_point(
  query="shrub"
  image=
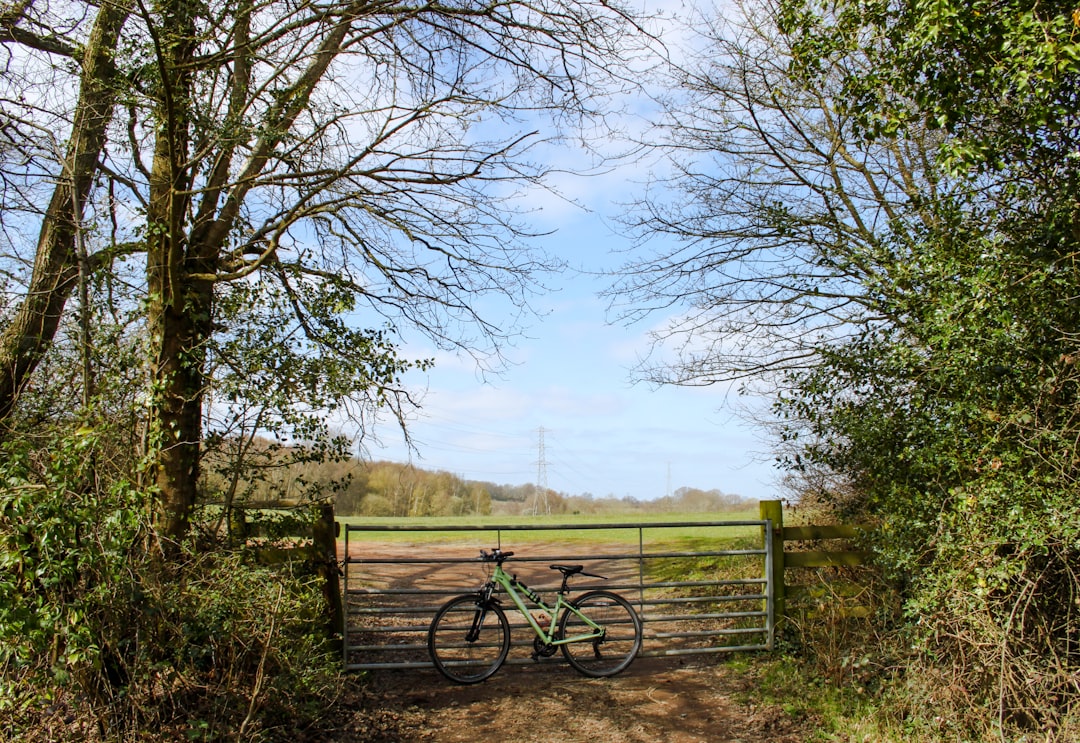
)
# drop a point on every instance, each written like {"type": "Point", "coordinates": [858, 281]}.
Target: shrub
{"type": "Point", "coordinates": [100, 638]}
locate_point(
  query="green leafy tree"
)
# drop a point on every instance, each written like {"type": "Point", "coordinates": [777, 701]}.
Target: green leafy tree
{"type": "Point", "coordinates": [957, 421]}
{"type": "Point", "coordinates": [875, 205]}
{"type": "Point", "coordinates": [278, 376]}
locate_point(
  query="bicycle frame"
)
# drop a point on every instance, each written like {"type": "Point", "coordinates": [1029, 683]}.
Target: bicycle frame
{"type": "Point", "coordinates": [515, 589]}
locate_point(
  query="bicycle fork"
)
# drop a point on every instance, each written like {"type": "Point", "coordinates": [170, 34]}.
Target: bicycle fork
{"type": "Point", "coordinates": [483, 600]}
{"type": "Point", "coordinates": [477, 623]}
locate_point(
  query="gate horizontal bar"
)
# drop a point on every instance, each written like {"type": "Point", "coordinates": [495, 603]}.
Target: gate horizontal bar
{"type": "Point", "coordinates": [547, 527]}
{"type": "Point", "coordinates": [547, 558]}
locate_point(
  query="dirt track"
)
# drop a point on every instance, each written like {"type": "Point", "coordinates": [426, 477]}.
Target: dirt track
{"type": "Point", "coordinates": [656, 700]}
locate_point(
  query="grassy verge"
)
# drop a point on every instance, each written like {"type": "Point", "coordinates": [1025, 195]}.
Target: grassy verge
{"type": "Point", "coordinates": [835, 713]}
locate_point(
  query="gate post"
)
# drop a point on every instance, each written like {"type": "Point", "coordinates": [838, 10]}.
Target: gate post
{"type": "Point", "coordinates": [324, 537]}
{"type": "Point", "coordinates": [773, 511]}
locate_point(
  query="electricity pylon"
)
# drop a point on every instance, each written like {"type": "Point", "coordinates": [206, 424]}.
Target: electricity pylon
{"type": "Point", "coordinates": [540, 499]}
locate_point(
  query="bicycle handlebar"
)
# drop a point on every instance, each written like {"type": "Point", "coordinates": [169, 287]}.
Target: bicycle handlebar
{"type": "Point", "coordinates": [496, 555]}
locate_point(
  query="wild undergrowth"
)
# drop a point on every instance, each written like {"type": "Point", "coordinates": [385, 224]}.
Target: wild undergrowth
{"type": "Point", "coordinates": [103, 639]}
{"type": "Point", "coordinates": [980, 646]}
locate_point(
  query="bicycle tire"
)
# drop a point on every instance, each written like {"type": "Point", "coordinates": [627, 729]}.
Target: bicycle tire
{"type": "Point", "coordinates": [454, 655]}
{"type": "Point", "coordinates": [620, 644]}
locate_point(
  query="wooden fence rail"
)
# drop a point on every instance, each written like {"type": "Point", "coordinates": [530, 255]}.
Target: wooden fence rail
{"type": "Point", "coordinates": [785, 559]}
{"type": "Point", "coordinates": [316, 545]}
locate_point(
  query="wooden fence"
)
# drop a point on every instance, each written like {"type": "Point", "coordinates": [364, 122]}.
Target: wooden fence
{"type": "Point", "coordinates": [792, 562]}
{"type": "Point", "coordinates": [313, 542]}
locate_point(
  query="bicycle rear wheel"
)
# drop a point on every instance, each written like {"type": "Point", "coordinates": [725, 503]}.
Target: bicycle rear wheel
{"type": "Point", "coordinates": [467, 642]}
{"type": "Point", "coordinates": [618, 647]}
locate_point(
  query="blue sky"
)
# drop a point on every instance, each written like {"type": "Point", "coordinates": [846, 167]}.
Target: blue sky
{"type": "Point", "coordinates": [572, 377]}
{"type": "Point", "coordinates": [603, 434]}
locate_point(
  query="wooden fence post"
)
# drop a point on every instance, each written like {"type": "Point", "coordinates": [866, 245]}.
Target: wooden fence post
{"type": "Point", "coordinates": [324, 535]}
{"type": "Point", "coordinates": [774, 510]}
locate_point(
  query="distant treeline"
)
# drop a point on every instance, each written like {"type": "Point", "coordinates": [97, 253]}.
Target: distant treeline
{"type": "Point", "coordinates": [394, 489]}
{"type": "Point", "coordinates": [362, 488]}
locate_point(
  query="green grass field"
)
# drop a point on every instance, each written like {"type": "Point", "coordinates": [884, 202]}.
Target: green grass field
{"type": "Point", "coordinates": [608, 528]}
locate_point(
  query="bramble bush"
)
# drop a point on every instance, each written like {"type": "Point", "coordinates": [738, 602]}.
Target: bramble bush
{"type": "Point", "coordinates": [969, 476]}
{"type": "Point", "coordinates": [101, 639]}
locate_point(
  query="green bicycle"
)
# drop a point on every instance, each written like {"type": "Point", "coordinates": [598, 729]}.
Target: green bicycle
{"type": "Point", "coordinates": [599, 633]}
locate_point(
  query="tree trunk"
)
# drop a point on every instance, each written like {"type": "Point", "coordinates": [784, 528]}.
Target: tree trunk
{"type": "Point", "coordinates": [183, 325]}
{"type": "Point", "coordinates": [178, 310]}
{"type": "Point", "coordinates": [181, 265]}
{"type": "Point", "coordinates": [26, 338]}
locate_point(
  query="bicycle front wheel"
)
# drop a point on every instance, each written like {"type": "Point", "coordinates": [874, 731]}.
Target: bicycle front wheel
{"type": "Point", "coordinates": [467, 641]}
{"type": "Point", "coordinates": [607, 655]}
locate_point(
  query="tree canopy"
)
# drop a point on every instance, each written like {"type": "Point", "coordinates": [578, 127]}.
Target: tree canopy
{"type": "Point", "coordinates": [787, 226]}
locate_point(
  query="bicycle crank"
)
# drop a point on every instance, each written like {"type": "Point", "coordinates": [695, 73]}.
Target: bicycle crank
{"type": "Point", "coordinates": [542, 649]}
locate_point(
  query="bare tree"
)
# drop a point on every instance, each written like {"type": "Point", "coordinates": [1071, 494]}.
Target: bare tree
{"type": "Point", "coordinates": [783, 220]}
{"type": "Point", "coordinates": [42, 32]}
{"type": "Point", "coordinates": [367, 147]}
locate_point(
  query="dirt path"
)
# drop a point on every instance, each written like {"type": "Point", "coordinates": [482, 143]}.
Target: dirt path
{"type": "Point", "coordinates": [655, 700]}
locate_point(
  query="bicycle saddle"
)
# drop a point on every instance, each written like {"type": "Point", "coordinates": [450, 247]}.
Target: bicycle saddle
{"type": "Point", "coordinates": [568, 570]}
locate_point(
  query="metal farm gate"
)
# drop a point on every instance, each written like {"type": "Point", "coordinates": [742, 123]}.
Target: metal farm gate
{"type": "Point", "coordinates": [709, 593]}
